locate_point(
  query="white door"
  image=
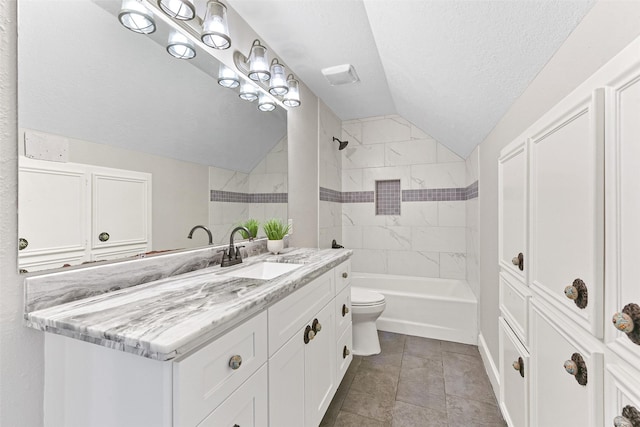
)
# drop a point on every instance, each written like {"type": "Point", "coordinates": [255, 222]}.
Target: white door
{"type": "Point", "coordinates": [514, 378]}
{"type": "Point", "coordinates": [286, 383]}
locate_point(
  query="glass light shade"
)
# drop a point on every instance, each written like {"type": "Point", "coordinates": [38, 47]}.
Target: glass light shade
{"type": "Point", "coordinates": [248, 91]}
{"type": "Point", "coordinates": [215, 31]}
{"type": "Point", "coordinates": [265, 103]}
{"type": "Point", "coordinates": [292, 98]}
{"type": "Point", "coordinates": [278, 83]}
{"type": "Point", "coordinates": [227, 77]}
{"type": "Point", "coordinates": [183, 10]}
{"type": "Point", "coordinates": [180, 46]}
{"type": "Point", "coordinates": [136, 17]}
{"type": "Point", "coordinates": [258, 63]}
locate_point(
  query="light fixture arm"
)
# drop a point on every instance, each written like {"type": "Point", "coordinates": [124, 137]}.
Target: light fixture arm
{"type": "Point", "coordinates": [241, 60]}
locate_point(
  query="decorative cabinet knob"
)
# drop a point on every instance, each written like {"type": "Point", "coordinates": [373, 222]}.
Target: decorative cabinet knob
{"type": "Point", "coordinates": [578, 292]}
{"type": "Point", "coordinates": [316, 326]}
{"type": "Point", "coordinates": [518, 261]}
{"type": "Point", "coordinates": [309, 334]}
{"type": "Point", "coordinates": [345, 310]}
{"type": "Point", "coordinates": [345, 352]}
{"type": "Point", "coordinates": [104, 236]}
{"type": "Point", "coordinates": [628, 321]}
{"type": "Point", "coordinates": [235, 362]}
{"type": "Point", "coordinates": [22, 243]}
{"type": "Point", "coordinates": [577, 367]}
{"type": "Point", "coordinates": [630, 417]}
{"type": "Point", "coordinates": [345, 275]}
{"type": "Point", "coordinates": [621, 421]}
{"type": "Point", "coordinates": [518, 365]}
{"type": "Point", "coordinates": [236, 425]}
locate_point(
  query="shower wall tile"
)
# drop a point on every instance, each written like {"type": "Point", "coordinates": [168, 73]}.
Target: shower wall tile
{"type": "Point", "coordinates": [386, 129]}
{"type": "Point", "coordinates": [453, 265]}
{"type": "Point", "coordinates": [330, 177]}
{"type": "Point", "coordinates": [369, 260]}
{"type": "Point", "coordinates": [352, 131]}
{"type": "Point", "coordinates": [411, 152]}
{"type": "Point", "coordinates": [352, 180]}
{"type": "Point", "coordinates": [386, 238]}
{"type": "Point", "coordinates": [422, 214]}
{"type": "Point", "coordinates": [447, 156]}
{"type": "Point", "coordinates": [371, 175]}
{"type": "Point", "coordinates": [439, 239]}
{"type": "Point", "coordinates": [472, 165]}
{"type": "Point", "coordinates": [362, 214]}
{"type": "Point", "coordinates": [268, 182]}
{"type": "Point", "coordinates": [439, 175]}
{"type": "Point", "coordinates": [363, 156]}
{"type": "Point", "coordinates": [352, 236]}
{"type": "Point", "coordinates": [413, 263]}
{"type": "Point", "coordinates": [452, 214]}
{"type": "Point", "coordinates": [228, 180]}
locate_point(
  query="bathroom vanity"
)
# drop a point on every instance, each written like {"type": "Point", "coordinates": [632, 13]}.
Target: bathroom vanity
{"type": "Point", "coordinates": [213, 347]}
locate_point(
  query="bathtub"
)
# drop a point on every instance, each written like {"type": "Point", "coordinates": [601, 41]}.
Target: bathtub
{"type": "Point", "coordinates": [443, 309]}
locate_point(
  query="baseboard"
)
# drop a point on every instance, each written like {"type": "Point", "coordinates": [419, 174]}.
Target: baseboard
{"type": "Point", "coordinates": [489, 365]}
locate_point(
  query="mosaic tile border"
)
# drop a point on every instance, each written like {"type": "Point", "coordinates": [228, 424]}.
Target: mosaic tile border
{"type": "Point", "coordinates": [233, 197]}
{"type": "Point", "coordinates": [422, 195]}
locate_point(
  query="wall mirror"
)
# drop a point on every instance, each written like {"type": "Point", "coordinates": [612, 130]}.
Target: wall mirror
{"type": "Point", "coordinates": [124, 148]}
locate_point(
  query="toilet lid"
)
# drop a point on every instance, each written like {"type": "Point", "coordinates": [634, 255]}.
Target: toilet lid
{"type": "Point", "coordinates": [361, 296]}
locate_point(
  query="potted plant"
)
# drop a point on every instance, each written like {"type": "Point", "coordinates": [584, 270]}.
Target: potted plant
{"type": "Point", "coordinates": [275, 231]}
{"type": "Point", "coordinates": [252, 225]}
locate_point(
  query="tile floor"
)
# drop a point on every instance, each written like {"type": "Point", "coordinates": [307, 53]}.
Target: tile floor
{"type": "Point", "coordinates": [415, 382]}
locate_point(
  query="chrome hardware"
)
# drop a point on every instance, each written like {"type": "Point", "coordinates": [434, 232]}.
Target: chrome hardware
{"type": "Point", "coordinates": [345, 352]}
{"type": "Point", "coordinates": [309, 334]}
{"type": "Point", "coordinates": [345, 275]}
{"type": "Point", "coordinates": [235, 362]}
{"type": "Point", "coordinates": [316, 326]}
{"type": "Point", "coordinates": [345, 310]}
{"type": "Point", "coordinates": [518, 365]}
{"type": "Point", "coordinates": [621, 421]}
{"type": "Point", "coordinates": [577, 367]}
{"type": "Point", "coordinates": [104, 236]}
{"type": "Point", "coordinates": [22, 243]}
{"type": "Point", "coordinates": [628, 321]}
{"type": "Point", "coordinates": [518, 261]}
{"type": "Point", "coordinates": [578, 292]}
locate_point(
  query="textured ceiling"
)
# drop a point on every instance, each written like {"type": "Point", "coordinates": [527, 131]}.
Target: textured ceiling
{"type": "Point", "coordinates": [94, 80]}
{"type": "Point", "coordinates": [453, 68]}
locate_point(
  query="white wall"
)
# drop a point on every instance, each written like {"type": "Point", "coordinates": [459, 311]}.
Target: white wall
{"type": "Point", "coordinates": [608, 28]}
{"type": "Point", "coordinates": [330, 219]}
{"type": "Point", "coordinates": [21, 361]}
{"type": "Point", "coordinates": [473, 224]}
{"type": "Point", "coordinates": [428, 239]}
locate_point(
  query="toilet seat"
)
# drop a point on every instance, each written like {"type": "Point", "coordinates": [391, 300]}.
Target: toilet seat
{"type": "Point", "coordinates": [361, 297]}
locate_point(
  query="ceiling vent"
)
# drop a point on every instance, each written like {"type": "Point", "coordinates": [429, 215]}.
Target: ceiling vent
{"type": "Point", "coordinates": [340, 74]}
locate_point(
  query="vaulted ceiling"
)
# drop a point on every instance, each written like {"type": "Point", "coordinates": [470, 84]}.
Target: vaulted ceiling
{"type": "Point", "coordinates": [453, 68]}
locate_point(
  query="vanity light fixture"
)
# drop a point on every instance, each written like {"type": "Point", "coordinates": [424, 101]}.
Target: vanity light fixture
{"type": "Point", "coordinates": [248, 91]}
{"type": "Point", "coordinates": [258, 63]}
{"type": "Point", "coordinates": [292, 98]}
{"type": "Point", "coordinates": [227, 77]}
{"type": "Point", "coordinates": [136, 17]}
{"type": "Point", "coordinates": [180, 46]}
{"type": "Point", "coordinates": [184, 10]}
{"type": "Point", "coordinates": [265, 103]}
{"type": "Point", "coordinates": [215, 30]}
{"type": "Point", "coordinates": [278, 82]}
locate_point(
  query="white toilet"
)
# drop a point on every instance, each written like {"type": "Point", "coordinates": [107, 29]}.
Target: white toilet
{"type": "Point", "coordinates": [366, 307]}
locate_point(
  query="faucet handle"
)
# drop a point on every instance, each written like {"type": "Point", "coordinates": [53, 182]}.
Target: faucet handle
{"type": "Point", "coordinates": [238, 253]}
{"type": "Point", "coordinates": [224, 252]}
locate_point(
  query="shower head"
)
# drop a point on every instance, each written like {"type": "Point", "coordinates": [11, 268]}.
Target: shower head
{"type": "Point", "coordinates": [342, 143]}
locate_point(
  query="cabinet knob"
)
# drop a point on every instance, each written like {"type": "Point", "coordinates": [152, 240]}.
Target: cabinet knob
{"type": "Point", "coordinates": [316, 326]}
{"type": "Point", "coordinates": [518, 261]}
{"type": "Point", "coordinates": [236, 425]}
{"type": "Point", "coordinates": [345, 352]}
{"type": "Point", "coordinates": [103, 237]}
{"type": "Point", "coordinates": [623, 322]}
{"type": "Point", "coordinates": [22, 243]}
{"type": "Point", "coordinates": [630, 417]}
{"type": "Point", "coordinates": [628, 321]}
{"type": "Point", "coordinates": [309, 334]}
{"type": "Point", "coordinates": [345, 310]}
{"type": "Point", "coordinates": [518, 365]}
{"type": "Point", "coordinates": [235, 362]}
{"type": "Point", "coordinates": [577, 367]}
{"type": "Point", "coordinates": [621, 421]}
{"type": "Point", "coordinates": [578, 292]}
{"type": "Point", "coordinates": [345, 275]}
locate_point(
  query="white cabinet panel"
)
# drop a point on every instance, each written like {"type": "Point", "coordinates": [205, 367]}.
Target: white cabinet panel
{"type": "Point", "coordinates": [622, 390]}
{"type": "Point", "coordinates": [512, 196]}
{"type": "Point", "coordinates": [342, 275]}
{"type": "Point", "coordinates": [514, 378]}
{"type": "Point", "coordinates": [344, 353]}
{"type": "Point", "coordinates": [514, 305]}
{"type": "Point", "coordinates": [343, 310]}
{"type": "Point", "coordinates": [557, 397]}
{"type": "Point", "coordinates": [567, 208]}
{"type": "Point", "coordinates": [286, 383]}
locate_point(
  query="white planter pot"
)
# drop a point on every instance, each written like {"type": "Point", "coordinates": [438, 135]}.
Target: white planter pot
{"type": "Point", "coordinates": [275, 246]}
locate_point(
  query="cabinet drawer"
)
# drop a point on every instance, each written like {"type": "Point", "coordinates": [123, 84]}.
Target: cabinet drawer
{"type": "Point", "coordinates": [287, 316]}
{"type": "Point", "coordinates": [514, 378]}
{"type": "Point", "coordinates": [557, 397]}
{"type": "Point", "coordinates": [343, 310]}
{"type": "Point", "coordinates": [205, 378]}
{"type": "Point", "coordinates": [343, 275]}
{"type": "Point", "coordinates": [621, 391]}
{"type": "Point", "coordinates": [514, 305]}
{"type": "Point", "coordinates": [344, 348]}
{"type": "Point", "coordinates": [246, 407]}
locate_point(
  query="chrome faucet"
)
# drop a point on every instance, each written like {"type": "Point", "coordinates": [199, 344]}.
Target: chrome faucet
{"type": "Point", "coordinates": [205, 229]}
{"type": "Point", "coordinates": [232, 255]}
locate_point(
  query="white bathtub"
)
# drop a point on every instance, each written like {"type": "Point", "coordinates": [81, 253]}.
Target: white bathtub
{"type": "Point", "coordinates": [443, 309]}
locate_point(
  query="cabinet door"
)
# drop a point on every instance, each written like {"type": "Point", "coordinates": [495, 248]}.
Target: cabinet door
{"type": "Point", "coordinates": [567, 208]}
{"type": "Point", "coordinates": [121, 208]}
{"type": "Point", "coordinates": [622, 392]}
{"type": "Point", "coordinates": [557, 399]}
{"type": "Point", "coordinates": [344, 353]}
{"type": "Point", "coordinates": [514, 378]}
{"type": "Point", "coordinates": [320, 368]}
{"type": "Point", "coordinates": [512, 196]}
{"type": "Point", "coordinates": [52, 201]}
{"type": "Point", "coordinates": [286, 383]}
{"type": "Point", "coordinates": [623, 202]}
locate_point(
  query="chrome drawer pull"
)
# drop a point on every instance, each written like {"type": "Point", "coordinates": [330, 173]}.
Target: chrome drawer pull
{"type": "Point", "coordinates": [577, 367]}
{"type": "Point", "coordinates": [578, 292]}
{"type": "Point", "coordinates": [235, 362]}
{"type": "Point", "coordinates": [628, 321]}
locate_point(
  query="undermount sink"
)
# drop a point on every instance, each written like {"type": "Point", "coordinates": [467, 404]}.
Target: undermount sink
{"type": "Point", "coordinates": [263, 270]}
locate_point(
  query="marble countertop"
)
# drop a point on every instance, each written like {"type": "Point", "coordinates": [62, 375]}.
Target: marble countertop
{"type": "Point", "coordinates": [167, 318]}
